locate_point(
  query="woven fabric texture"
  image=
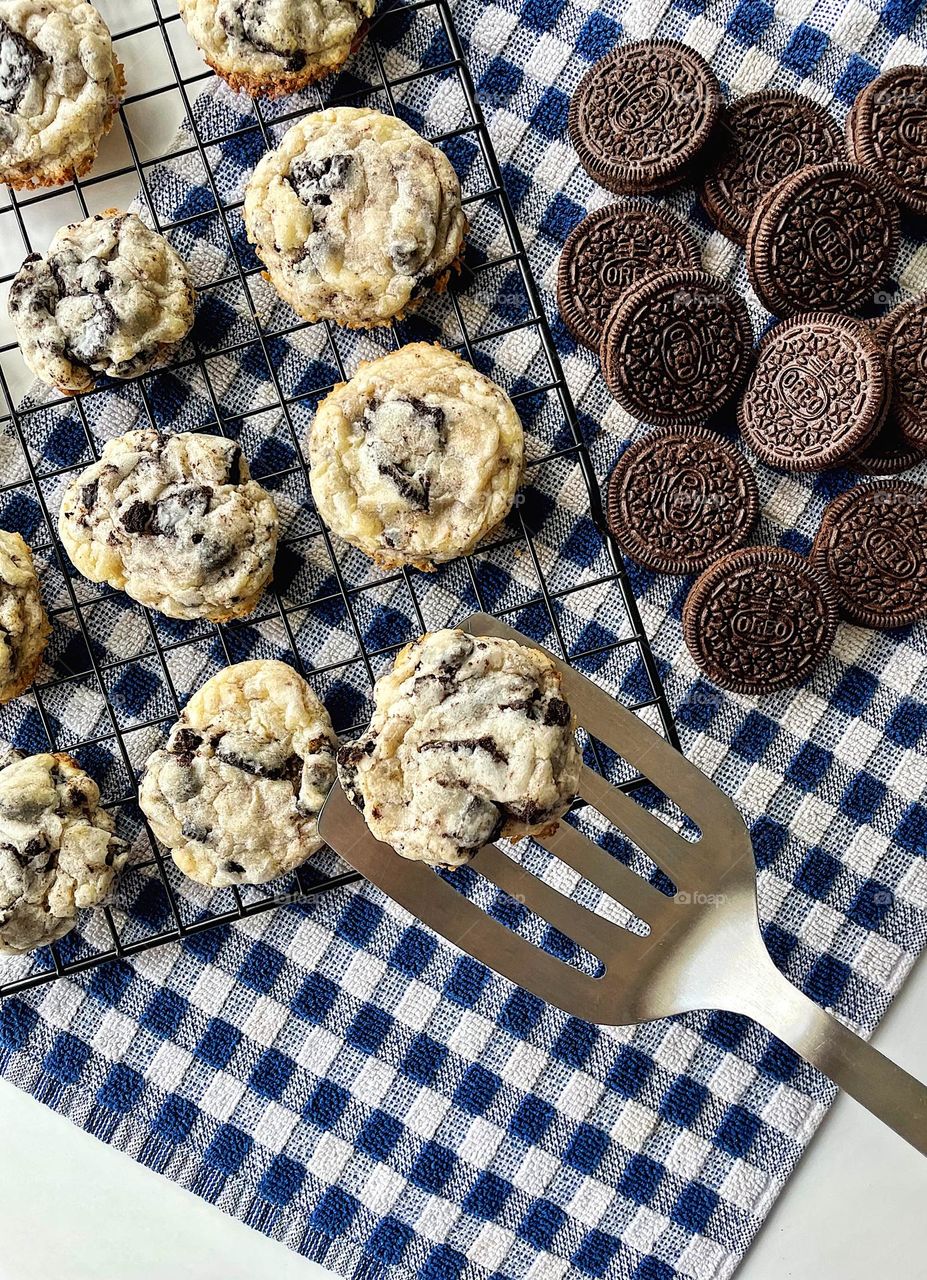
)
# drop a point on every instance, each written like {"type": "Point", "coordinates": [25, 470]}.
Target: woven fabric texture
{"type": "Point", "coordinates": [330, 1072]}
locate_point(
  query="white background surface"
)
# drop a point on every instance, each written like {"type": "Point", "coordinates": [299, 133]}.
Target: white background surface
{"type": "Point", "coordinates": [73, 1208]}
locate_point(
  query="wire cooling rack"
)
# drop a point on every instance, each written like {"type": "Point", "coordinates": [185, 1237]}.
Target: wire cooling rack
{"type": "Point", "coordinates": [117, 675]}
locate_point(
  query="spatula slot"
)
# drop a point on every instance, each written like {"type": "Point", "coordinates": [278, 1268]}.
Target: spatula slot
{"type": "Point", "coordinates": [512, 911]}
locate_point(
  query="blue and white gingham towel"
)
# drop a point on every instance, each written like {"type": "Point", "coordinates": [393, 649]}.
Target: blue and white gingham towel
{"type": "Point", "coordinates": [330, 1072]}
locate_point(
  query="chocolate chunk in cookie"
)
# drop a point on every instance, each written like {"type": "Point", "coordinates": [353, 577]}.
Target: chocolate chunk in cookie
{"type": "Point", "coordinates": [176, 522]}
{"type": "Point", "coordinates": [872, 545]}
{"type": "Point", "coordinates": [236, 791]}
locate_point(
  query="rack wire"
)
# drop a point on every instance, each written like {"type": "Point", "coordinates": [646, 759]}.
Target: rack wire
{"type": "Point", "coordinates": [117, 675]}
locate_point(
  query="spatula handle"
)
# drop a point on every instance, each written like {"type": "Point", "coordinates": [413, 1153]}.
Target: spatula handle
{"type": "Point", "coordinates": [882, 1087]}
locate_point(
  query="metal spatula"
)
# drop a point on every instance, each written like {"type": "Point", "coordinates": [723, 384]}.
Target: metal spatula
{"type": "Point", "coordinates": [704, 949]}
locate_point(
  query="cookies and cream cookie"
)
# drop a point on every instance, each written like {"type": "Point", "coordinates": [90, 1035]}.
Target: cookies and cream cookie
{"type": "Point", "coordinates": [58, 851]}
{"type": "Point", "coordinates": [108, 297]}
{"type": "Point", "coordinates": [470, 741]}
{"type": "Point", "coordinates": [60, 86]}
{"type": "Point", "coordinates": [276, 46]}
{"type": "Point", "coordinates": [24, 628]}
{"type": "Point", "coordinates": [416, 458]}
{"type": "Point", "coordinates": [174, 521]}
{"type": "Point", "coordinates": [236, 792]}
{"type": "Point", "coordinates": [355, 217]}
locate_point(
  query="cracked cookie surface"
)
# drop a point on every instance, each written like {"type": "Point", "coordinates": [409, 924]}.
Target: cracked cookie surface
{"type": "Point", "coordinates": [276, 46]}
{"type": "Point", "coordinates": [24, 628]}
{"type": "Point", "coordinates": [58, 850]}
{"type": "Point", "coordinates": [236, 792]}
{"type": "Point", "coordinates": [60, 87]}
{"type": "Point", "coordinates": [355, 217]}
{"type": "Point", "coordinates": [174, 521]}
{"type": "Point", "coordinates": [109, 297]}
{"type": "Point", "coordinates": [417, 458]}
{"type": "Point", "coordinates": [470, 742]}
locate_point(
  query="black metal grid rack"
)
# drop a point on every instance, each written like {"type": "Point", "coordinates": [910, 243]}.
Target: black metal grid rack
{"type": "Point", "coordinates": [413, 54]}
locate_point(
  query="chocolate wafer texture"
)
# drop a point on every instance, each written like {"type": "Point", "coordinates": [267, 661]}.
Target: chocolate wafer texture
{"type": "Point", "coordinates": [887, 132]}
{"type": "Point", "coordinates": [680, 498]}
{"type": "Point", "coordinates": [608, 252]}
{"type": "Point", "coordinates": [641, 114]}
{"type": "Point", "coordinates": [763, 138]}
{"type": "Point", "coordinates": [760, 619]}
{"type": "Point", "coordinates": [824, 239]}
{"type": "Point", "coordinates": [872, 545]}
{"type": "Point", "coordinates": [903, 333]}
{"type": "Point", "coordinates": [817, 394]}
{"type": "Point", "coordinates": [675, 348]}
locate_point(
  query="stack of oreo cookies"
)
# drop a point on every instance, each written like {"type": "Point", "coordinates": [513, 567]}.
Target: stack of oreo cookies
{"type": "Point", "coordinates": [818, 216]}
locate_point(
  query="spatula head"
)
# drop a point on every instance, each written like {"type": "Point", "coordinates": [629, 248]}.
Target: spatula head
{"type": "Point", "coordinates": [674, 967]}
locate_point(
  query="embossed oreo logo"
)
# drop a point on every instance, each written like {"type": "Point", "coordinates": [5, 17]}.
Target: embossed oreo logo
{"type": "Point", "coordinates": [640, 105]}
{"type": "Point", "coordinates": [682, 352]}
{"type": "Point", "coordinates": [893, 553]}
{"type": "Point", "coordinates": [803, 390]}
{"type": "Point", "coordinates": [912, 132]}
{"type": "Point", "coordinates": [768, 159]}
{"type": "Point", "coordinates": [758, 624]}
{"type": "Point", "coordinates": [681, 498]}
{"type": "Point", "coordinates": [832, 244]}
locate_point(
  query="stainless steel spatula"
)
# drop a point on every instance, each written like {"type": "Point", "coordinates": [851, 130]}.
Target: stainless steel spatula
{"type": "Point", "coordinates": [704, 949]}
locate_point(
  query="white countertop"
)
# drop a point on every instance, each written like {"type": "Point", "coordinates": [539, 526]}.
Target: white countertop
{"type": "Point", "coordinates": [72, 1207]}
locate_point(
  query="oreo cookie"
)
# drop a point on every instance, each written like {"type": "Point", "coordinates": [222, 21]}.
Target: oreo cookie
{"type": "Point", "coordinates": [888, 454]}
{"type": "Point", "coordinates": [817, 395]}
{"type": "Point", "coordinates": [872, 545]}
{"type": "Point", "coordinates": [903, 333]}
{"type": "Point", "coordinates": [608, 252]}
{"type": "Point", "coordinates": [640, 115]}
{"type": "Point", "coordinates": [762, 139]}
{"type": "Point", "coordinates": [760, 619]}
{"type": "Point", "coordinates": [887, 132]}
{"type": "Point", "coordinates": [675, 349]}
{"type": "Point", "coordinates": [822, 240]}
{"type": "Point", "coordinates": [679, 499]}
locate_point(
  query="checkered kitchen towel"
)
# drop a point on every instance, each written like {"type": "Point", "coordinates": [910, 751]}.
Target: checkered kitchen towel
{"type": "Point", "coordinates": [330, 1072]}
